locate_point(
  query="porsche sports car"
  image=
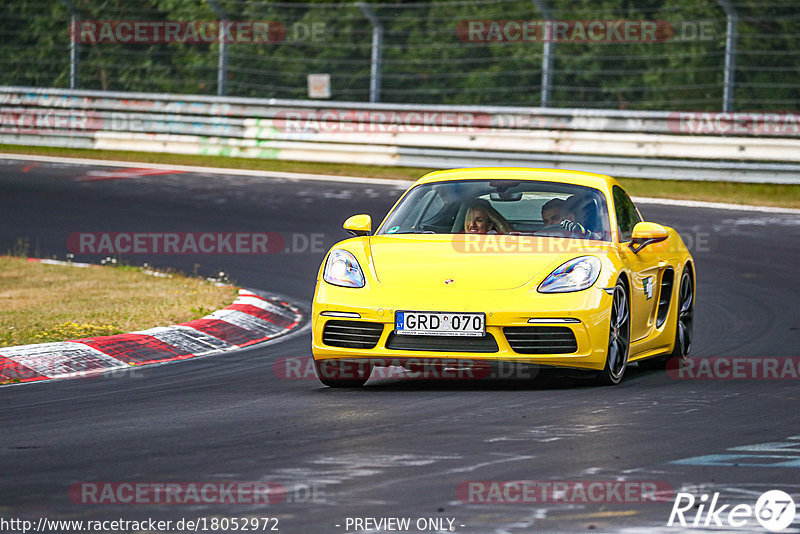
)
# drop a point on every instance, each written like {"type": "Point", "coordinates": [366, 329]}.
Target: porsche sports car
{"type": "Point", "coordinates": [473, 267]}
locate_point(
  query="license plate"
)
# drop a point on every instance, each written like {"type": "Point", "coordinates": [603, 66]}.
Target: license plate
{"type": "Point", "coordinates": [440, 324]}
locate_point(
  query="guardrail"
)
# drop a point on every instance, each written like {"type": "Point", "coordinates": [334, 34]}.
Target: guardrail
{"type": "Point", "coordinates": [696, 146]}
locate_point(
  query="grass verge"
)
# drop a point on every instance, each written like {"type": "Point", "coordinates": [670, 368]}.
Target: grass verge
{"type": "Point", "coordinates": [778, 195]}
{"type": "Point", "coordinates": [41, 303]}
{"type": "Point", "coordinates": [785, 196]}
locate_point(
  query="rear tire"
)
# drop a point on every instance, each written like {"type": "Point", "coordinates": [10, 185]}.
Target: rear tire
{"type": "Point", "coordinates": [342, 374]}
{"type": "Point", "coordinates": [619, 337]}
{"type": "Point", "coordinates": [684, 328]}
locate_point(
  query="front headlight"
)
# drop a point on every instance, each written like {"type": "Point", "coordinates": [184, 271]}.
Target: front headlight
{"type": "Point", "coordinates": [575, 275]}
{"type": "Point", "coordinates": [342, 269]}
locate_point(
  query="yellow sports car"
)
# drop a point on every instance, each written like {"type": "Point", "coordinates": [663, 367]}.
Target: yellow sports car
{"type": "Point", "coordinates": [475, 268]}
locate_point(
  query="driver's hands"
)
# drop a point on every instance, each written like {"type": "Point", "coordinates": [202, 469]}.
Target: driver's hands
{"type": "Point", "coordinates": [575, 228]}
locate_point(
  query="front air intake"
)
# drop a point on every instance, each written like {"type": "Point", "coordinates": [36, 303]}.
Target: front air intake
{"type": "Point", "coordinates": [541, 339]}
{"type": "Point", "coordinates": [485, 343]}
{"type": "Point", "coordinates": [352, 334]}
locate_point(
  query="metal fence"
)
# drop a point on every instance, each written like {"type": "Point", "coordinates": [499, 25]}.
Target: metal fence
{"type": "Point", "coordinates": [677, 55]}
{"type": "Point", "coordinates": [747, 148]}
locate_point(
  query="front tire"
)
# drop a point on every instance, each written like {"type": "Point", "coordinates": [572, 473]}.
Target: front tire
{"type": "Point", "coordinates": [342, 374]}
{"type": "Point", "coordinates": [619, 337]}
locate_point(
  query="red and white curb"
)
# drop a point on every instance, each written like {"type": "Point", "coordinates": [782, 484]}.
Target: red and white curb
{"type": "Point", "coordinates": [252, 318]}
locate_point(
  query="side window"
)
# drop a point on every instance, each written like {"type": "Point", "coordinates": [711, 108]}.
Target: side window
{"type": "Point", "coordinates": [627, 216]}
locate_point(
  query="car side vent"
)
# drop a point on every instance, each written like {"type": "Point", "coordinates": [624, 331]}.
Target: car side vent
{"type": "Point", "coordinates": [352, 334]}
{"type": "Point", "coordinates": [541, 339]}
{"type": "Point", "coordinates": [664, 296]}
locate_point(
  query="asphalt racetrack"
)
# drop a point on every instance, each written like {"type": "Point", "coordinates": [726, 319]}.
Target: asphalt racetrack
{"type": "Point", "coordinates": [398, 448]}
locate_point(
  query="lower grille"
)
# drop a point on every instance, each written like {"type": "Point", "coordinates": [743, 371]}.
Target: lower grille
{"type": "Point", "coordinates": [541, 339]}
{"type": "Point", "coordinates": [352, 334]}
{"type": "Point", "coordinates": [486, 343]}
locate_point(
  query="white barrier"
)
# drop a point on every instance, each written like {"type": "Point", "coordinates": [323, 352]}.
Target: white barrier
{"type": "Point", "coordinates": [633, 144]}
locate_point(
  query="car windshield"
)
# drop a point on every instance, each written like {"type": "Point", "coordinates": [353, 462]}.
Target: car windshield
{"type": "Point", "coordinates": [514, 207]}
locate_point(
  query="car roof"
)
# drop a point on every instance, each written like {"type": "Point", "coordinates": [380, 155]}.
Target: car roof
{"type": "Point", "coordinates": [597, 181]}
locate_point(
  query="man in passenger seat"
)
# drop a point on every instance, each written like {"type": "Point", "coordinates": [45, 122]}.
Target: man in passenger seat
{"type": "Point", "coordinates": [557, 212]}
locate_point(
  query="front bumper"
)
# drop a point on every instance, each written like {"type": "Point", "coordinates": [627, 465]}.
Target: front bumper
{"type": "Point", "coordinates": [585, 313]}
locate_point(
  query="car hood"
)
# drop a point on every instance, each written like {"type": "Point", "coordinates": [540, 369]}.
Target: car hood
{"type": "Point", "coordinates": [469, 261]}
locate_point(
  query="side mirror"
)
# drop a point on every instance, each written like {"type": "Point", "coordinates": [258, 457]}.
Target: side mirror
{"type": "Point", "coordinates": [359, 225]}
{"type": "Point", "coordinates": [647, 233]}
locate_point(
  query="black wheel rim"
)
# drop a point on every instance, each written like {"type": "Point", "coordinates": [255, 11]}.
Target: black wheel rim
{"type": "Point", "coordinates": [619, 336]}
{"type": "Point", "coordinates": [685, 314]}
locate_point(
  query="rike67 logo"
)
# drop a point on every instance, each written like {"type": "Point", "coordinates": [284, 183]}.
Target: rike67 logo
{"type": "Point", "coordinates": [774, 511]}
